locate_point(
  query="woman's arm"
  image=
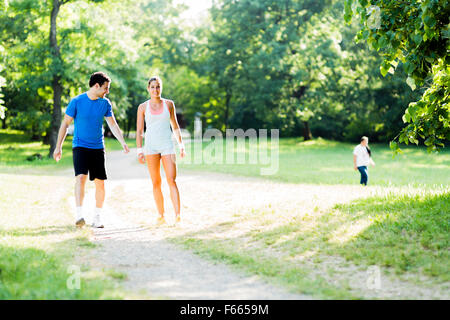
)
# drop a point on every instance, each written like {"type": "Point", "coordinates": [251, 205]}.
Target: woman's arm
{"type": "Point", "coordinates": [176, 128]}
{"type": "Point", "coordinates": [140, 132]}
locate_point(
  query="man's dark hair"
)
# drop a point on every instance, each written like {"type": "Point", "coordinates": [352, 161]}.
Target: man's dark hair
{"type": "Point", "coordinates": [98, 77]}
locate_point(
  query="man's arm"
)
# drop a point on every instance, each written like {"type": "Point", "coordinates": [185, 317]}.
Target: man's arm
{"type": "Point", "coordinates": [354, 162]}
{"type": "Point", "coordinates": [117, 132]}
{"type": "Point", "coordinates": [57, 153]}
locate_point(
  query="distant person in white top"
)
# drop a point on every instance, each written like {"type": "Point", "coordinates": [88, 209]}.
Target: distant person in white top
{"type": "Point", "coordinates": [159, 115]}
{"type": "Point", "coordinates": [362, 157]}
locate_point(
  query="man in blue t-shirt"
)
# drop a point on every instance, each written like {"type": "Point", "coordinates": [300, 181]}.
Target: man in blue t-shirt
{"type": "Point", "coordinates": [87, 111]}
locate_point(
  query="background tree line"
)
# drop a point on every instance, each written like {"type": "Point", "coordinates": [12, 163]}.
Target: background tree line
{"type": "Point", "coordinates": [287, 64]}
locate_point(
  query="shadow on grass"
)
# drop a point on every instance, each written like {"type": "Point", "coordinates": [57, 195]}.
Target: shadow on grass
{"type": "Point", "coordinates": [31, 273]}
{"type": "Point", "coordinates": [409, 233]}
{"type": "Point", "coordinates": [18, 152]}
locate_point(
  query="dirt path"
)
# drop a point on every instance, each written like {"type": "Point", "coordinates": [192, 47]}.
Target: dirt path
{"type": "Point", "coordinates": [130, 242]}
{"type": "Point", "coordinates": [152, 265]}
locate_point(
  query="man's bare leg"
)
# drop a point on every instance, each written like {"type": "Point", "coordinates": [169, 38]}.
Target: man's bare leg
{"type": "Point", "coordinates": [80, 183]}
{"type": "Point", "coordinates": [99, 200]}
{"type": "Point", "coordinates": [99, 193]}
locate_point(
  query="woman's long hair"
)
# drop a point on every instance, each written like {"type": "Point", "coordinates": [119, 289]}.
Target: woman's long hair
{"type": "Point", "coordinates": [367, 147]}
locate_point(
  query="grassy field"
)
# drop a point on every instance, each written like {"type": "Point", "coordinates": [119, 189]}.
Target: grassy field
{"type": "Point", "coordinates": [317, 162]}
{"type": "Point", "coordinates": [329, 162]}
{"type": "Point", "coordinates": [405, 230]}
{"type": "Point", "coordinates": [17, 152]}
{"type": "Point", "coordinates": [403, 235]}
{"type": "Point", "coordinates": [38, 242]}
{"type": "Point", "coordinates": [38, 239]}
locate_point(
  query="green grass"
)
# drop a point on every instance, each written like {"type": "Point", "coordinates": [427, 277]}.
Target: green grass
{"type": "Point", "coordinates": [406, 231]}
{"type": "Point", "coordinates": [328, 162]}
{"type": "Point", "coordinates": [403, 234]}
{"type": "Point", "coordinates": [115, 274]}
{"type": "Point", "coordinates": [294, 277]}
{"type": "Point", "coordinates": [317, 162]}
{"type": "Point", "coordinates": [409, 233]}
{"type": "Point", "coordinates": [39, 242]}
{"type": "Point", "coordinates": [30, 273]}
{"type": "Point", "coordinates": [15, 149]}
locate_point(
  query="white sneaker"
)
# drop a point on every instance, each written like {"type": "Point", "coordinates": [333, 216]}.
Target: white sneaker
{"type": "Point", "coordinates": [97, 222]}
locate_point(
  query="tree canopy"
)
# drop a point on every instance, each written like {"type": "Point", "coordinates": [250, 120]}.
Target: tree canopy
{"type": "Point", "coordinates": [292, 65]}
{"type": "Point", "coordinates": [415, 34]}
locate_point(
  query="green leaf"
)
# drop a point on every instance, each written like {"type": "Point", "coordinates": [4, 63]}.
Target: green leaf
{"type": "Point", "coordinates": [365, 34]}
{"type": "Point", "coordinates": [383, 41]}
{"type": "Point", "coordinates": [429, 21]}
{"type": "Point", "coordinates": [417, 38]}
{"type": "Point", "coordinates": [383, 71]}
{"type": "Point", "coordinates": [411, 83]}
{"type": "Point", "coordinates": [363, 3]}
{"type": "Point", "coordinates": [348, 12]}
{"type": "Point", "coordinates": [429, 141]}
{"type": "Point", "coordinates": [385, 68]}
{"type": "Point", "coordinates": [393, 145]}
{"type": "Point", "coordinates": [406, 117]}
{"type": "Point", "coordinates": [414, 140]}
{"type": "Point", "coordinates": [409, 67]}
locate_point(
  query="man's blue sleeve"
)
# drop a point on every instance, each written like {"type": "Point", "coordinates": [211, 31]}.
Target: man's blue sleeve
{"type": "Point", "coordinates": [71, 110]}
{"type": "Point", "coordinates": [108, 112]}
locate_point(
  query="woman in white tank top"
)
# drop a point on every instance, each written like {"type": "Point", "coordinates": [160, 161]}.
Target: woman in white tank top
{"type": "Point", "coordinates": [159, 115]}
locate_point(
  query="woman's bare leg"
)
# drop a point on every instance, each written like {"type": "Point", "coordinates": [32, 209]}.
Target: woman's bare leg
{"type": "Point", "coordinates": [170, 168]}
{"type": "Point", "coordinates": [153, 163]}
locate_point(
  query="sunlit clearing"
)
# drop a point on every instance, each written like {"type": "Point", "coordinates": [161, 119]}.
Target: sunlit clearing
{"type": "Point", "coordinates": [349, 231]}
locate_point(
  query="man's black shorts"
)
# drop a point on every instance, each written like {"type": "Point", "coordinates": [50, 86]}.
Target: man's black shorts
{"type": "Point", "coordinates": [89, 160]}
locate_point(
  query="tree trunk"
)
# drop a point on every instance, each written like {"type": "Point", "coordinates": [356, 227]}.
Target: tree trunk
{"type": "Point", "coordinates": [227, 107]}
{"type": "Point", "coordinates": [306, 131]}
{"type": "Point", "coordinates": [56, 81]}
{"type": "Point", "coordinates": [127, 131]}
